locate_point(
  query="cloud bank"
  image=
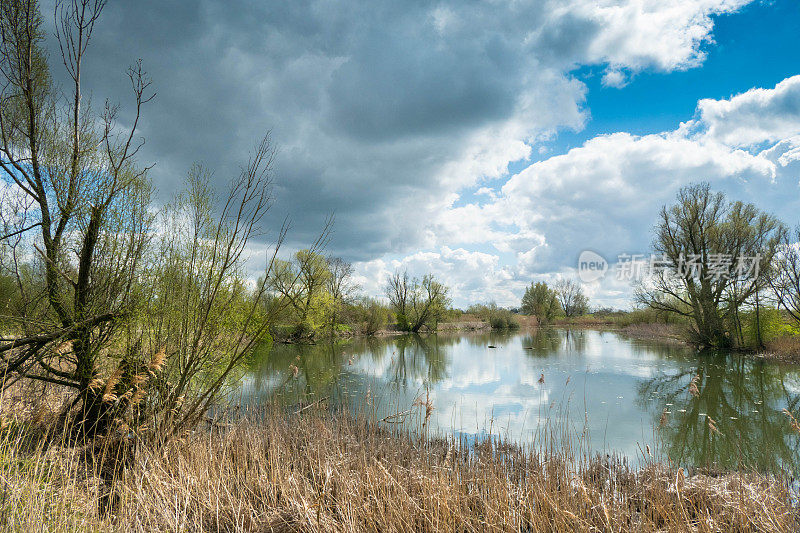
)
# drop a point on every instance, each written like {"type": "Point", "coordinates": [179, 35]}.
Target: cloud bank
{"type": "Point", "coordinates": [403, 120]}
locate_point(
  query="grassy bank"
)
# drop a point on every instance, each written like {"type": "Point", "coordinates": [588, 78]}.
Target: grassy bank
{"type": "Point", "coordinates": [483, 320]}
{"type": "Point", "coordinates": [632, 324]}
{"type": "Point", "coordinates": [771, 335]}
{"type": "Point", "coordinates": [313, 471]}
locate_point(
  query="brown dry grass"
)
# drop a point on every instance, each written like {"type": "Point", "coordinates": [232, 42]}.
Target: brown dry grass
{"type": "Point", "coordinates": [586, 321]}
{"type": "Point", "coordinates": [465, 324]}
{"type": "Point", "coordinates": [655, 331]}
{"type": "Point", "coordinates": [319, 472]}
{"type": "Point", "coordinates": [785, 347]}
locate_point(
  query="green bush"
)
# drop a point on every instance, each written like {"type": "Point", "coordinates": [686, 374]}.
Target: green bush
{"type": "Point", "coordinates": [496, 317]}
{"type": "Point", "coordinates": [503, 320]}
{"type": "Point", "coordinates": [644, 315]}
{"type": "Point", "coordinates": [771, 323]}
{"type": "Point", "coordinates": [374, 316]}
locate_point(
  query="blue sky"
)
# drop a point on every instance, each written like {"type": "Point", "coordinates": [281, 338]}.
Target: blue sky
{"type": "Point", "coordinates": [486, 142]}
{"type": "Point", "coordinates": [755, 47]}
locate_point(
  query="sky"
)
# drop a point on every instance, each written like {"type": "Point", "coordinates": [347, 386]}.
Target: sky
{"type": "Point", "coordinates": [487, 142]}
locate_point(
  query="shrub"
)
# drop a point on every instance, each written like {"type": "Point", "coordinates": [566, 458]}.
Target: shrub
{"type": "Point", "coordinates": [374, 316]}
{"type": "Point", "coordinates": [771, 323]}
{"type": "Point", "coordinates": [496, 317]}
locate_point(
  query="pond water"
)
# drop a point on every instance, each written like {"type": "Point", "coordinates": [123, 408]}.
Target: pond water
{"type": "Point", "coordinates": [614, 393]}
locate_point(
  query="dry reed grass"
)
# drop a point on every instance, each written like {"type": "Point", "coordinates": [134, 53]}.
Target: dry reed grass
{"type": "Point", "coordinates": [786, 347]}
{"type": "Point", "coordinates": [655, 330]}
{"type": "Point", "coordinates": [314, 471]}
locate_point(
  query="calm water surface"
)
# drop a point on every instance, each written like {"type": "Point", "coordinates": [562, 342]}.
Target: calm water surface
{"type": "Point", "coordinates": [612, 390]}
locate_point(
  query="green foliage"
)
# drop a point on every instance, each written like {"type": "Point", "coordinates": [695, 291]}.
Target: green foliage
{"type": "Point", "coordinates": [451, 315]}
{"type": "Point", "coordinates": [644, 315]}
{"type": "Point", "coordinates": [541, 301]}
{"type": "Point", "coordinates": [302, 283]}
{"type": "Point", "coordinates": [504, 320]}
{"type": "Point", "coordinates": [199, 309]}
{"type": "Point", "coordinates": [373, 315]}
{"type": "Point", "coordinates": [765, 326]}
{"type": "Point", "coordinates": [8, 292]}
{"type": "Point", "coordinates": [496, 317]}
{"type": "Point", "coordinates": [698, 229]}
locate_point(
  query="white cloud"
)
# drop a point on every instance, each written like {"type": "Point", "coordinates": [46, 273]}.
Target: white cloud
{"type": "Point", "coordinates": [753, 117]}
{"type": "Point", "coordinates": [604, 195]}
{"type": "Point", "coordinates": [615, 78]}
{"type": "Point", "coordinates": [383, 111]}
{"type": "Point", "coordinates": [666, 34]}
{"type": "Point", "coordinates": [472, 276]}
{"type": "Point", "coordinates": [387, 112]}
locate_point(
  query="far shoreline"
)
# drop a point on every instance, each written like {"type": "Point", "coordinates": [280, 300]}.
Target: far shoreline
{"type": "Point", "coordinates": [783, 349]}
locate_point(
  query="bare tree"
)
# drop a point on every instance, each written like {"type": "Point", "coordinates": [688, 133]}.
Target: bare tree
{"type": "Point", "coordinates": [397, 289]}
{"type": "Point", "coordinates": [570, 296]}
{"type": "Point", "coordinates": [417, 303]}
{"type": "Point", "coordinates": [340, 286]}
{"type": "Point", "coordinates": [86, 212]}
{"type": "Point", "coordinates": [200, 312]}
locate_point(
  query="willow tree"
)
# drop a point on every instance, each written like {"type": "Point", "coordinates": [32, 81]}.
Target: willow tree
{"type": "Point", "coordinates": [84, 217]}
{"type": "Point", "coordinates": [93, 292]}
{"type": "Point", "coordinates": [200, 311]}
{"type": "Point", "coordinates": [541, 301]}
{"type": "Point", "coordinates": [785, 278]}
{"type": "Point", "coordinates": [302, 282]}
{"type": "Point", "coordinates": [417, 303]}
{"type": "Point", "coordinates": [341, 287]}
{"type": "Point", "coordinates": [713, 256]}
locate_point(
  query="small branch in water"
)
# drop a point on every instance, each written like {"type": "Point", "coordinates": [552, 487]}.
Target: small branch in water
{"type": "Point", "coordinates": [310, 405]}
{"type": "Point", "coordinates": [390, 418]}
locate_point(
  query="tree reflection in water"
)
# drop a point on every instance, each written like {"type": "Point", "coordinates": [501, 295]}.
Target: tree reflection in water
{"type": "Point", "coordinates": [744, 398]}
{"type": "Point", "coordinates": [547, 341]}
{"type": "Point", "coordinates": [419, 358]}
{"type": "Point", "coordinates": [323, 369]}
{"type": "Point", "coordinates": [318, 368]}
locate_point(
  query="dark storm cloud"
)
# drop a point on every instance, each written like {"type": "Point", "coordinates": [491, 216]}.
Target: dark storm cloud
{"type": "Point", "coordinates": [366, 100]}
{"type": "Point", "coordinates": [374, 105]}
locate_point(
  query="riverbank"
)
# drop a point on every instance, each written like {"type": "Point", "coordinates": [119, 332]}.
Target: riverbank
{"type": "Point", "coordinates": [784, 348]}
{"type": "Point", "coordinates": [657, 331]}
{"type": "Point", "coordinates": [668, 333]}
{"type": "Point", "coordinates": [314, 471]}
{"type": "Point", "coordinates": [284, 336]}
